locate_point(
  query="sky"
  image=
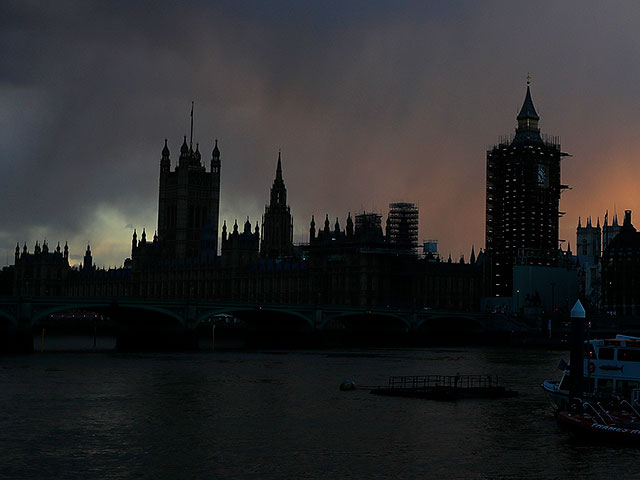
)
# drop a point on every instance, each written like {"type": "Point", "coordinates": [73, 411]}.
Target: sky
{"type": "Point", "coordinates": [370, 102]}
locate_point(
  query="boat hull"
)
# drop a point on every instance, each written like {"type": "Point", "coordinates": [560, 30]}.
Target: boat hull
{"type": "Point", "coordinates": [587, 426]}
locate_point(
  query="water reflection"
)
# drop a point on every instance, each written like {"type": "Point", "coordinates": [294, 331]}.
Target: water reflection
{"type": "Point", "coordinates": [245, 414]}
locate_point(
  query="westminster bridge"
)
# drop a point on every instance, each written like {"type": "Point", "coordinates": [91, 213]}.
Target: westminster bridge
{"type": "Point", "coordinates": [20, 317]}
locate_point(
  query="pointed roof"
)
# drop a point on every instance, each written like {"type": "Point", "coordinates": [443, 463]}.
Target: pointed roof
{"type": "Point", "coordinates": [279, 168]}
{"type": "Point", "coordinates": [528, 130]}
{"type": "Point", "coordinates": [216, 151]}
{"type": "Point", "coordinates": [184, 149]}
{"type": "Point", "coordinates": [165, 150]}
{"type": "Point", "coordinates": [528, 110]}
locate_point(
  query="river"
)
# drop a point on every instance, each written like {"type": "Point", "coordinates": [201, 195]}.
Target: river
{"type": "Point", "coordinates": [243, 414]}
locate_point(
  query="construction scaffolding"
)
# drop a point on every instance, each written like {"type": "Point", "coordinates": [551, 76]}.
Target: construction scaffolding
{"type": "Point", "coordinates": [402, 225]}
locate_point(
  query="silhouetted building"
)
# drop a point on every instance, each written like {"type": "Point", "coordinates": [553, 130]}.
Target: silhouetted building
{"type": "Point", "coordinates": [189, 198]}
{"type": "Point", "coordinates": [588, 253]}
{"type": "Point", "coordinates": [402, 226]}
{"type": "Point", "coordinates": [522, 201]}
{"type": "Point", "coordinates": [609, 232]}
{"type": "Point", "coordinates": [42, 273]}
{"type": "Point", "coordinates": [240, 249]}
{"type": "Point", "coordinates": [621, 271]}
{"type": "Point", "coordinates": [277, 222]}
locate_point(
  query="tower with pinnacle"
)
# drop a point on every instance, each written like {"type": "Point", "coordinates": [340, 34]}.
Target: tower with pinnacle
{"type": "Point", "coordinates": [277, 222]}
{"type": "Point", "coordinates": [189, 201]}
{"type": "Point", "coordinates": [523, 190]}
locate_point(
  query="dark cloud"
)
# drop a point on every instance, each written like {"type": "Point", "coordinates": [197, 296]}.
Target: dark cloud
{"type": "Point", "coordinates": [370, 102]}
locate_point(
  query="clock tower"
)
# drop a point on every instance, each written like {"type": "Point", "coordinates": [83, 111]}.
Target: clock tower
{"type": "Point", "coordinates": [523, 190]}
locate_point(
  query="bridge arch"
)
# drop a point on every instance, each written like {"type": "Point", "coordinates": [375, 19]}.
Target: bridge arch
{"type": "Point", "coordinates": [376, 321]}
{"type": "Point", "coordinates": [104, 307]}
{"type": "Point", "coordinates": [451, 324]}
{"type": "Point", "coordinates": [8, 318]}
{"type": "Point", "coordinates": [261, 316]}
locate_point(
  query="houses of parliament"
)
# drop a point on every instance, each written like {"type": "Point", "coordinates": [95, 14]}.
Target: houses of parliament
{"type": "Point", "coordinates": [356, 261]}
{"type": "Point", "coordinates": [350, 262]}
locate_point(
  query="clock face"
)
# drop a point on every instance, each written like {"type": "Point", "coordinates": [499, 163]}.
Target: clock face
{"type": "Point", "coordinates": [542, 175]}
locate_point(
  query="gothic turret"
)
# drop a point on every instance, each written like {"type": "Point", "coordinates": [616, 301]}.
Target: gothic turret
{"type": "Point", "coordinates": [134, 242]}
{"type": "Point", "coordinates": [165, 161]}
{"type": "Point", "coordinates": [349, 226]}
{"type": "Point", "coordinates": [197, 155]}
{"type": "Point", "coordinates": [88, 259]}
{"type": "Point", "coordinates": [184, 153]}
{"type": "Point", "coordinates": [312, 229]}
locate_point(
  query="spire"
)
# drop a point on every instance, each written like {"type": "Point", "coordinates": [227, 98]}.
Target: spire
{"type": "Point", "coordinates": [528, 129]}
{"type": "Point", "coordinates": [197, 153]}
{"type": "Point", "coordinates": [312, 229]}
{"type": "Point", "coordinates": [472, 258]}
{"type": "Point", "coordinates": [184, 149]}
{"type": "Point", "coordinates": [349, 226]}
{"type": "Point", "coordinates": [327, 228]}
{"type": "Point", "coordinates": [165, 150]}
{"type": "Point", "coordinates": [337, 227]}
{"type": "Point", "coordinates": [278, 190]}
{"type": "Point", "coordinates": [528, 111]}
{"type": "Point", "coordinates": [579, 223]}
{"type": "Point", "coordinates": [216, 152]}
{"type": "Point", "coordinates": [279, 168]}
{"type": "Point", "coordinates": [598, 224]}
{"type": "Point", "coordinates": [191, 138]}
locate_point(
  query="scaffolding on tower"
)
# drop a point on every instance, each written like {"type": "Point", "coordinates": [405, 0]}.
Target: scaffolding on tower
{"type": "Point", "coordinates": [402, 226]}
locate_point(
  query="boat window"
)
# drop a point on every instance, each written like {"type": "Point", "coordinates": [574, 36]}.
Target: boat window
{"type": "Point", "coordinates": [590, 352]}
{"type": "Point", "coordinates": [606, 353]}
{"type": "Point", "coordinates": [628, 355]}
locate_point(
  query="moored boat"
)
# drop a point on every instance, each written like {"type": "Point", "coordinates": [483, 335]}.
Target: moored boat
{"type": "Point", "coordinates": [611, 372]}
{"type": "Point", "coordinates": [595, 422]}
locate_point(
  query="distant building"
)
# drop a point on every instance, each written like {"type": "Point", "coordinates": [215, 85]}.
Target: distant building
{"type": "Point", "coordinates": [522, 201]}
{"type": "Point", "coordinates": [609, 232]}
{"type": "Point", "coordinates": [588, 253]}
{"type": "Point", "coordinates": [189, 198]}
{"type": "Point", "coordinates": [43, 273]}
{"type": "Point", "coordinates": [621, 272]}
{"type": "Point", "coordinates": [277, 222]}
{"type": "Point", "coordinates": [402, 226]}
